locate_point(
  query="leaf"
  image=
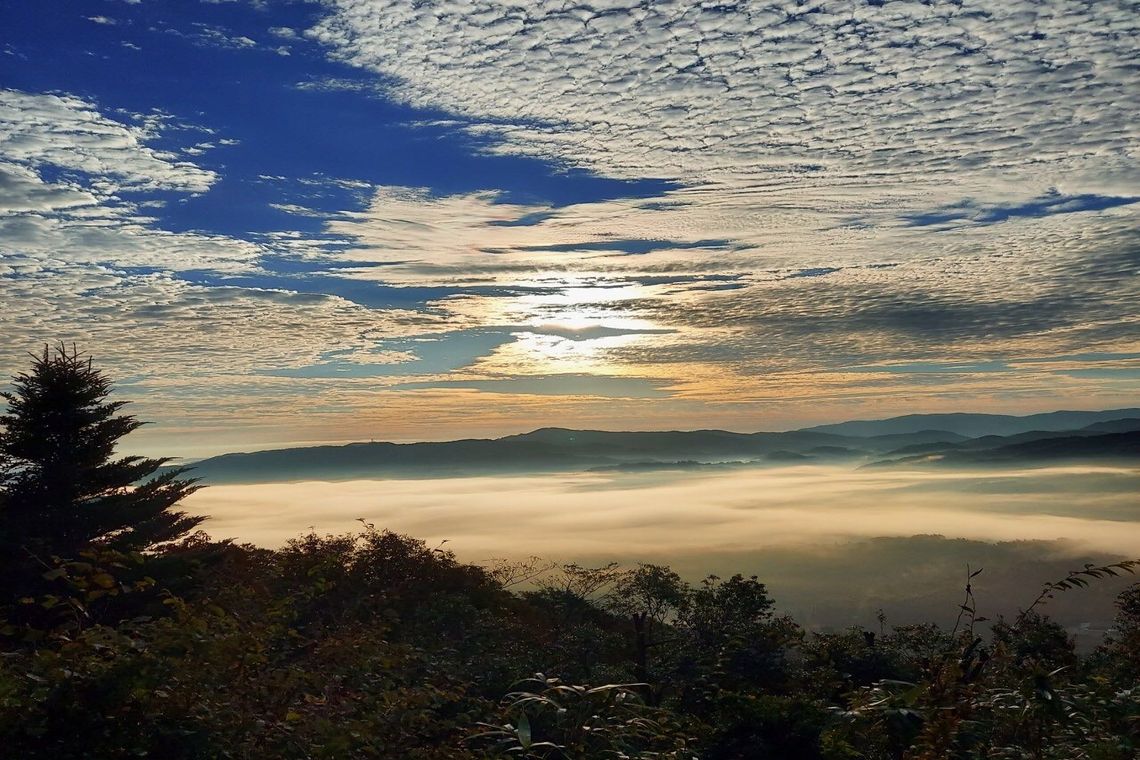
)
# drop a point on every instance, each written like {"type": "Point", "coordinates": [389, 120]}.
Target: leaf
{"type": "Point", "coordinates": [106, 580]}
{"type": "Point", "coordinates": [524, 731]}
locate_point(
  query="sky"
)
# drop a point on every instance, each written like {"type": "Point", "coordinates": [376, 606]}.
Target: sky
{"type": "Point", "coordinates": [275, 222]}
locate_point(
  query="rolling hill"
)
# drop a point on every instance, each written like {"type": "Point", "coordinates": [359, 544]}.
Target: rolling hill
{"type": "Point", "coordinates": [901, 441]}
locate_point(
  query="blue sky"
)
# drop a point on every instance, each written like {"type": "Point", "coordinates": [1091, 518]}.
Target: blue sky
{"type": "Point", "coordinates": [288, 221]}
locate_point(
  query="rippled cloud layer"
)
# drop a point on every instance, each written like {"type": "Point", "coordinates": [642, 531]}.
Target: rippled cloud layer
{"type": "Point", "coordinates": [364, 219]}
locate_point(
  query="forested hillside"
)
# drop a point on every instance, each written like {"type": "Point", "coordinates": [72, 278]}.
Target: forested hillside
{"type": "Point", "coordinates": [376, 645]}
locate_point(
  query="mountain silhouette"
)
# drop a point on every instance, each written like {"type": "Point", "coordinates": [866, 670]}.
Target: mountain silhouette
{"type": "Point", "coordinates": [566, 450]}
{"type": "Point", "coordinates": [975, 425]}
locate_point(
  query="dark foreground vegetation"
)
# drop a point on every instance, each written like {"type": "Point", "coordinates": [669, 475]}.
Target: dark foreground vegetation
{"type": "Point", "coordinates": [123, 634]}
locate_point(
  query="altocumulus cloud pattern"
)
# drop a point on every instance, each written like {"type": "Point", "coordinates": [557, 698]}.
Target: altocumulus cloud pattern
{"type": "Point", "coordinates": [747, 212]}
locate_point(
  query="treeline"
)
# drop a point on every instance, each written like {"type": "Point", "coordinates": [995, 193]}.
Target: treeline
{"type": "Point", "coordinates": [376, 645]}
{"type": "Point", "coordinates": [125, 635]}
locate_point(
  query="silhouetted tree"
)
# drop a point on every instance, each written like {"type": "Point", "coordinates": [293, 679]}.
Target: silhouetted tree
{"type": "Point", "coordinates": [648, 595]}
{"type": "Point", "coordinates": [61, 489]}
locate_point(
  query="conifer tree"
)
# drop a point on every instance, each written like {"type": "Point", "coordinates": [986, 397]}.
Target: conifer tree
{"type": "Point", "coordinates": [62, 490]}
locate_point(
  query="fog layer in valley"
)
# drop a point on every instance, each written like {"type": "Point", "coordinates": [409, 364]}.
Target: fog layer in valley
{"type": "Point", "coordinates": [831, 542]}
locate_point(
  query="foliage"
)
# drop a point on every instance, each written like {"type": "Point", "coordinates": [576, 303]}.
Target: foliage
{"type": "Point", "coordinates": [376, 645]}
{"type": "Point", "coordinates": [1081, 579]}
{"type": "Point", "coordinates": [572, 721]}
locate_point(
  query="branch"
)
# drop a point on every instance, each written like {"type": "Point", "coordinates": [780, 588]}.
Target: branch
{"type": "Point", "coordinates": [1077, 579]}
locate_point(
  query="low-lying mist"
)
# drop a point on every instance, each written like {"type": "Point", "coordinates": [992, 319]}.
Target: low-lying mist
{"type": "Point", "coordinates": [834, 545]}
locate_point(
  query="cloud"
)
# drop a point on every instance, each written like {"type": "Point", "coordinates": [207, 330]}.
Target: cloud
{"type": "Point", "coordinates": [764, 93]}
{"type": "Point", "coordinates": [554, 385]}
{"type": "Point", "coordinates": [1050, 203]}
{"type": "Point", "coordinates": [833, 546]}
{"type": "Point", "coordinates": [814, 142]}
{"type": "Point", "coordinates": [21, 190]}
{"type": "Point", "coordinates": [81, 261]}
{"type": "Point", "coordinates": [69, 134]}
{"type": "Point", "coordinates": [791, 284]}
{"type": "Point", "coordinates": [837, 188]}
{"type": "Point", "coordinates": [632, 516]}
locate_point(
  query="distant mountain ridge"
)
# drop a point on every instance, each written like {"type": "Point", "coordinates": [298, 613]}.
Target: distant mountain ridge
{"type": "Point", "coordinates": [900, 441]}
{"type": "Point", "coordinates": [1108, 448]}
{"type": "Point", "coordinates": [975, 425]}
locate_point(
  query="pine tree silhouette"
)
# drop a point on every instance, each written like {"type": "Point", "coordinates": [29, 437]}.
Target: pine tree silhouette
{"type": "Point", "coordinates": [61, 488]}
